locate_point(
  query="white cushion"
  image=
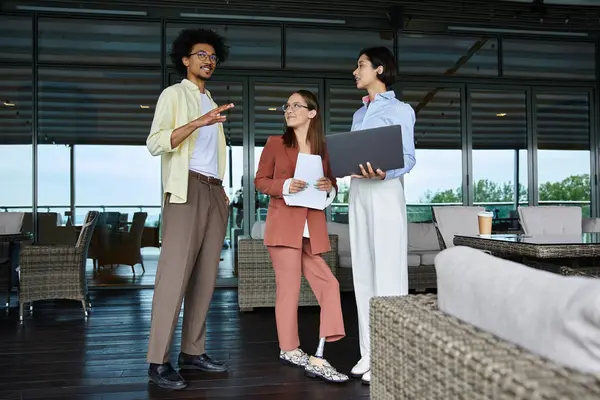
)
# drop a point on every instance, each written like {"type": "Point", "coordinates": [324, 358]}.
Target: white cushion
{"type": "Point", "coordinates": [11, 222]}
{"type": "Point", "coordinates": [456, 220]}
{"type": "Point", "coordinates": [551, 220]}
{"type": "Point", "coordinates": [554, 316]}
{"type": "Point", "coordinates": [258, 230]}
{"type": "Point", "coordinates": [422, 237]}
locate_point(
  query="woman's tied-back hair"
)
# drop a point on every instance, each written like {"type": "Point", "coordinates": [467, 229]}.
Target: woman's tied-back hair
{"type": "Point", "coordinates": [188, 38]}
{"type": "Point", "coordinates": [382, 56]}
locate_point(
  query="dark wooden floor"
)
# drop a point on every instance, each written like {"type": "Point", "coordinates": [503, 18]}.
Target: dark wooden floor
{"type": "Point", "coordinates": [56, 354]}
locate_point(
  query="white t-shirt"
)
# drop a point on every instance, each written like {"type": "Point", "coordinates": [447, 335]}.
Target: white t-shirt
{"type": "Point", "coordinates": [204, 158]}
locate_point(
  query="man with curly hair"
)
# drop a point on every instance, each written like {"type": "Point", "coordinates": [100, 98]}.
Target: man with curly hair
{"type": "Point", "coordinates": [187, 132]}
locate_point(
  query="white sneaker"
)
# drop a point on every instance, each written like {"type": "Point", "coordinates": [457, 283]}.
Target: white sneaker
{"type": "Point", "coordinates": [362, 367]}
{"type": "Point", "coordinates": [366, 378]}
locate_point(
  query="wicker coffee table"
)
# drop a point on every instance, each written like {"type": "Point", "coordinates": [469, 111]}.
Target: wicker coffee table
{"type": "Point", "coordinates": [542, 251]}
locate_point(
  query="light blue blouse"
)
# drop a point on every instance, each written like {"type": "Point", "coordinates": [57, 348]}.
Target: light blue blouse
{"type": "Point", "coordinates": [385, 110]}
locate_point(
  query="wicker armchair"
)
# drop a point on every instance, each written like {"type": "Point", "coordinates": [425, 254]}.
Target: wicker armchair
{"type": "Point", "coordinates": [256, 278]}
{"type": "Point", "coordinates": [419, 352]}
{"type": "Point", "coordinates": [56, 272]}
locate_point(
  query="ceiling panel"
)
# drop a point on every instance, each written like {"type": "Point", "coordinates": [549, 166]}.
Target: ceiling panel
{"type": "Point", "coordinates": [491, 13]}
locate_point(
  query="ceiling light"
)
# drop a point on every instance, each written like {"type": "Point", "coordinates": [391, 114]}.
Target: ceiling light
{"type": "Point", "coordinates": [272, 108]}
{"type": "Point", "coordinates": [265, 18]}
{"type": "Point", "coordinates": [501, 115]}
{"type": "Point", "coordinates": [9, 104]}
{"type": "Point", "coordinates": [517, 31]}
{"type": "Point", "coordinates": [143, 106]}
{"type": "Point", "coordinates": [81, 10]}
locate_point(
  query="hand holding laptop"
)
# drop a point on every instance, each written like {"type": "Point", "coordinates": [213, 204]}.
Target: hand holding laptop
{"type": "Point", "coordinates": [350, 151]}
{"type": "Point", "coordinates": [369, 173]}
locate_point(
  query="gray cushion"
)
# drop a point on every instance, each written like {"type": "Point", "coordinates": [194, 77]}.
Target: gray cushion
{"type": "Point", "coordinates": [414, 260]}
{"type": "Point", "coordinates": [428, 257]}
{"type": "Point", "coordinates": [557, 317]}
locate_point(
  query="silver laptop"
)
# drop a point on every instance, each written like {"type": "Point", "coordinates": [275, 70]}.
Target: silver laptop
{"type": "Point", "coordinates": [382, 147]}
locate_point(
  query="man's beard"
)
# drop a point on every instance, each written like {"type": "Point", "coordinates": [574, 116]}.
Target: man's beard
{"type": "Point", "coordinates": [202, 78]}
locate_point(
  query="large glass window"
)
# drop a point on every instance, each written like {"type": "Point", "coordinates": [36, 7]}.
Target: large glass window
{"type": "Point", "coordinates": [16, 179]}
{"type": "Point", "coordinates": [447, 55]}
{"type": "Point", "coordinates": [549, 59]}
{"type": "Point", "coordinates": [250, 46]}
{"type": "Point", "coordinates": [84, 41]}
{"type": "Point", "coordinates": [117, 178]}
{"type": "Point", "coordinates": [54, 180]}
{"type": "Point", "coordinates": [437, 175]}
{"type": "Point", "coordinates": [306, 49]}
{"type": "Point", "coordinates": [499, 136]}
{"type": "Point", "coordinates": [562, 122]}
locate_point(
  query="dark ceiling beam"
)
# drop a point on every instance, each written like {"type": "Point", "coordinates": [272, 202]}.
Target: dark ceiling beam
{"type": "Point", "coordinates": [489, 13]}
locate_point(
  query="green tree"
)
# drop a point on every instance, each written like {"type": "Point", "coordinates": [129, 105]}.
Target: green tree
{"type": "Point", "coordinates": [572, 188]}
{"type": "Point", "coordinates": [485, 191]}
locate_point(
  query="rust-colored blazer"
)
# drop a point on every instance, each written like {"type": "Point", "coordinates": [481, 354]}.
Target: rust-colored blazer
{"type": "Point", "coordinates": [285, 224]}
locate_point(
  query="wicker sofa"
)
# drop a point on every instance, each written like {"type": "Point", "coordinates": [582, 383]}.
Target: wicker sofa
{"type": "Point", "coordinates": [438, 356]}
{"type": "Point", "coordinates": [256, 278]}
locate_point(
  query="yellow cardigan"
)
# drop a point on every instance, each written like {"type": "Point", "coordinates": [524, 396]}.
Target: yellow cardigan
{"type": "Point", "coordinates": [177, 105]}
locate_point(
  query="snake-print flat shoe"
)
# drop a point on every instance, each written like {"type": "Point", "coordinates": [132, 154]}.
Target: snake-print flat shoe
{"type": "Point", "coordinates": [297, 358]}
{"type": "Point", "coordinates": [325, 372]}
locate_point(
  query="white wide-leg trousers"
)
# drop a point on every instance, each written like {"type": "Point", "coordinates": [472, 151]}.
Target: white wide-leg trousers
{"type": "Point", "coordinates": [379, 246]}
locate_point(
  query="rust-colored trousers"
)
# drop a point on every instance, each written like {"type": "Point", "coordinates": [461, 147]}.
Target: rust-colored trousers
{"type": "Point", "coordinates": [192, 240]}
{"type": "Point", "coordinates": [289, 265]}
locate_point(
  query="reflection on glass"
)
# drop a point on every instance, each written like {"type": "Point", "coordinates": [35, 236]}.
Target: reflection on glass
{"type": "Point", "coordinates": [499, 132]}
{"type": "Point", "coordinates": [437, 55]}
{"type": "Point", "coordinates": [563, 131]}
{"type": "Point", "coordinates": [437, 175]}
{"type": "Point", "coordinates": [269, 121]}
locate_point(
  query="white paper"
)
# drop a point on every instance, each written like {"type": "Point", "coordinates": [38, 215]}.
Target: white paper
{"type": "Point", "coordinates": [309, 168]}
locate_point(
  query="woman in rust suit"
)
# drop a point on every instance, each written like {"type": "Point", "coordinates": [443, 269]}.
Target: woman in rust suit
{"type": "Point", "coordinates": [296, 236]}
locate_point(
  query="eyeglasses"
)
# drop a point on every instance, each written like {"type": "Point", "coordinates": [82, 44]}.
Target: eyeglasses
{"type": "Point", "coordinates": [293, 107]}
{"type": "Point", "coordinates": [203, 56]}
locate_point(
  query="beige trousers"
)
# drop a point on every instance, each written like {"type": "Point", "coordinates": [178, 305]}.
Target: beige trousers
{"type": "Point", "coordinates": [192, 240]}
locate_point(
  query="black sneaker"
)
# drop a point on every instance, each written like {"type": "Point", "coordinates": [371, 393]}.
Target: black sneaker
{"type": "Point", "coordinates": [165, 376]}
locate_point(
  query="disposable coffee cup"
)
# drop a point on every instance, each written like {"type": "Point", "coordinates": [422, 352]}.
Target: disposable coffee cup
{"type": "Point", "coordinates": [485, 222]}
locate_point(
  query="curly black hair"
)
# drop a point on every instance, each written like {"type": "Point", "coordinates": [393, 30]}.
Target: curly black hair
{"type": "Point", "coordinates": [188, 38]}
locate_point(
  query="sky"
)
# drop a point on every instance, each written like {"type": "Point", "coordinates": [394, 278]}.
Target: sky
{"type": "Point", "coordinates": [129, 175]}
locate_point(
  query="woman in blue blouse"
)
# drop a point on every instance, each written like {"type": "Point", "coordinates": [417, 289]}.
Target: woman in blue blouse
{"type": "Point", "coordinates": [377, 206]}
